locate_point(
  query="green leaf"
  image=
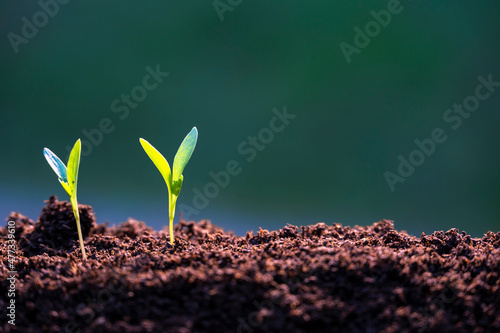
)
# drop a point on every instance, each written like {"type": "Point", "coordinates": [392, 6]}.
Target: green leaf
{"type": "Point", "coordinates": [159, 161]}
{"type": "Point", "coordinates": [56, 164]}
{"type": "Point", "coordinates": [184, 154]}
{"type": "Point", "coordinates": [176, 186]}
{"type": "Point", "coordinates": [59, 168]}
{"type": "Point", "coordinates": [73, 166]}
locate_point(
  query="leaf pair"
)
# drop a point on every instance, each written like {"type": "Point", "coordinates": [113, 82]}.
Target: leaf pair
{"type": "Point", "coordinates": [68, 177]}
{"type": "Point", "coordinates": [172, 179]}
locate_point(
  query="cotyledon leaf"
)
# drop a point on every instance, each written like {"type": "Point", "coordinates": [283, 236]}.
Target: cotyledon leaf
{"type": "Point", "coordinates": [73, 166]}
{"type": "Point", "coordinates": [59, 168]}
{"type": "Point", "coordinates": [159, 161]}
{"type": "Point", "coordinates": [56, 164]}
{"type": "Point", "coordinates": [184, 154]}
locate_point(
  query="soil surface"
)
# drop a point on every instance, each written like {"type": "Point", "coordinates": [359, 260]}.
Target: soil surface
{"type": "Point", "coordinates": [317, 278]}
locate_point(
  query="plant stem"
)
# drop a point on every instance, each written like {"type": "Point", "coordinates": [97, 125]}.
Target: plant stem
{"type": "Point", "coordinates": [171, 213]}
{"type": "Point", "coordinates": [74, 204]}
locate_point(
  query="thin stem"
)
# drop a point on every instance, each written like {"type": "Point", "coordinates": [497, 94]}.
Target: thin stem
{"type": "Point", "coordinates": [74, 204]}
{"type": "Point", "coordinates": [171, 213]}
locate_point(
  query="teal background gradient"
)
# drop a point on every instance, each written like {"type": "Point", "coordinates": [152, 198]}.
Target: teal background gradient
{"type": "Point", "coordinates": [226, 74]}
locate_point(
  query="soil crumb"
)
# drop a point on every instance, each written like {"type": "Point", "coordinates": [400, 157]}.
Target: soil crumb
{"type": "Point", "coordinates": [316, 278]}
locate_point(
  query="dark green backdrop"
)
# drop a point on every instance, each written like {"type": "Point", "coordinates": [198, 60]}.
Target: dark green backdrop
{"type": "Point", "coordinates": [66, 69]}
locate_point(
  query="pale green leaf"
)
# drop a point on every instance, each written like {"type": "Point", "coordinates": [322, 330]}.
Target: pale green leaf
{"type": "Point", "coordinates": [73, 166]}
{"type": "Point", "coordinates": [184, 154]}
{"type": "Point", "coordinates": [159, 161]}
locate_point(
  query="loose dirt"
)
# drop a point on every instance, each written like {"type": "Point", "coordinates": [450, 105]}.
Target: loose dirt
{"type": "Point", "coordinates": [317, 278]}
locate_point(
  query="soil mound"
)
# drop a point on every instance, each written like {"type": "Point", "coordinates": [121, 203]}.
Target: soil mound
{"type": "Point", "coordinates": [55, 231]}
{"type": "Point", "coordinates": [316, 278]}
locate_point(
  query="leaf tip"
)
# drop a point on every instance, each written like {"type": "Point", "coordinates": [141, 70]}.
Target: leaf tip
{"type": "Point", "coordinates": [144, 143]}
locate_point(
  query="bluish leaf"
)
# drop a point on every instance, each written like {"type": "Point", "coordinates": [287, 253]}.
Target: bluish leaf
{"type": "Point", "coordinates": [56, 164]}
{"type": "Point", "coordinates": [184, 154]}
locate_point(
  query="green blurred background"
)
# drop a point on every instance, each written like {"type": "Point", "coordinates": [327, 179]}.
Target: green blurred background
{"type": "Point", "coordinates": [227, 72]}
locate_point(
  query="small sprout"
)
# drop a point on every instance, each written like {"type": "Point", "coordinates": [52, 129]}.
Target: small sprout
{"type": "Point", "coordinates": [173, 181]}
{"type": "Point", "coordinates": [68, 177]}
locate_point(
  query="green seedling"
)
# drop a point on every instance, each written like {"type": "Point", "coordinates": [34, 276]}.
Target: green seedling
{"type": "Point", "coordinates": [174, 180]}
{"type": "Point", "coordinates": [68, 178]}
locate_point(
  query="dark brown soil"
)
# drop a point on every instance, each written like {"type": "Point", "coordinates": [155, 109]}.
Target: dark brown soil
{"type": "Point", "coordinates": [318, 278]}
